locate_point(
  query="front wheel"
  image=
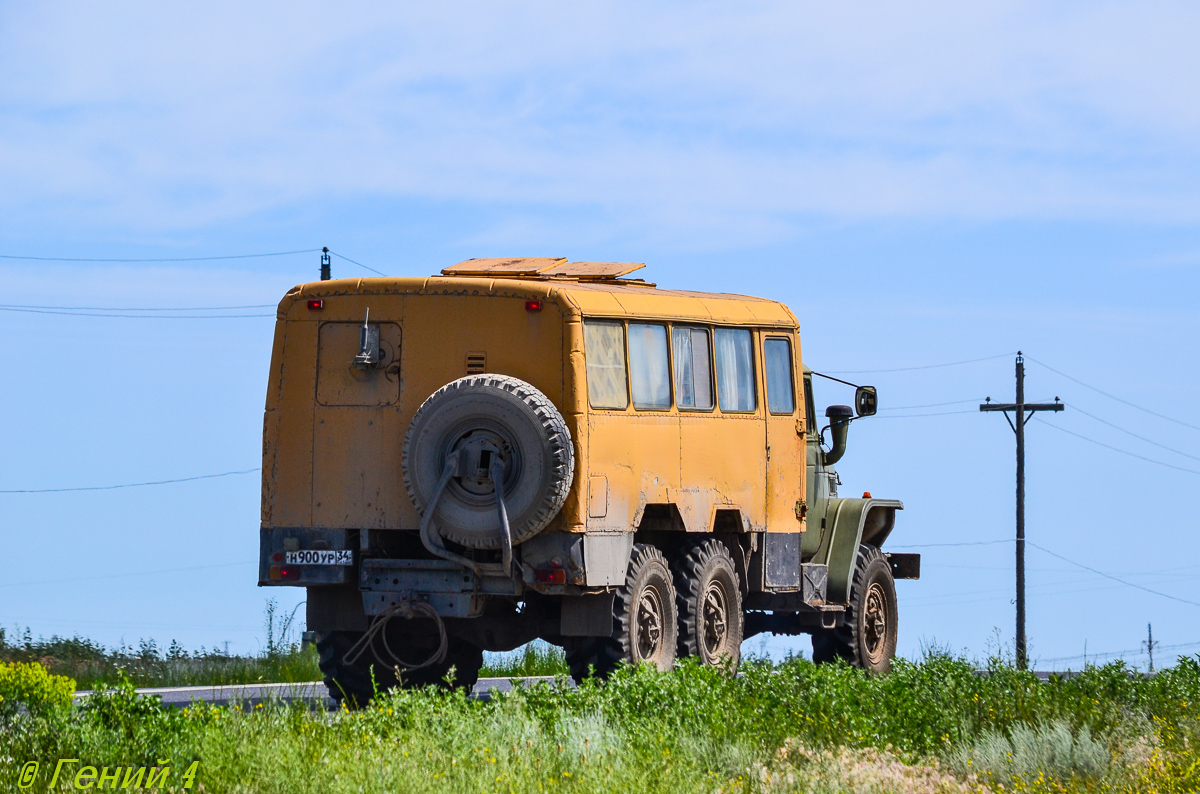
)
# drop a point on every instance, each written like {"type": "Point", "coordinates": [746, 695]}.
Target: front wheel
{"type": "Point", "coordinates": [867, 638]}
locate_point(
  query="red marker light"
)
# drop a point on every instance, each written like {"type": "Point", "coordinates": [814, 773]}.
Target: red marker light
{"type": "Point", "coordinates": [533, 306]}
{"type": "Point", "coordinates": [557, 576]}
{"type": "Point", "coordinates": [289, 572]}
{"type": "Point", "coordinates": [316, 304]}
{"type": "Point", "coordinates": [277, 557]}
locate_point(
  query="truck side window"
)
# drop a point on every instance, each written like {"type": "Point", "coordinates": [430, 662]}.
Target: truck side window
{"type": "Point", "coordinates": [649, 367]}
{"type": "Point", "coordinates": [735, 370]}
{"type": "Point", "coordinates": [604, 352]}
{"type": "Point", "coordinates": [777, 361]}
{"type": "Point", "coordinates": [693, 369]}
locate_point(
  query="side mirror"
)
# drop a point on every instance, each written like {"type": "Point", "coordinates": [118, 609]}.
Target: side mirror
{"type": "Point", "coordinates": [865, 401]}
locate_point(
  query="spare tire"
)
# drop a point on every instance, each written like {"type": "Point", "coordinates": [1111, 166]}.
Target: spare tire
{"type": "Point", "coordinates": [482, 418]}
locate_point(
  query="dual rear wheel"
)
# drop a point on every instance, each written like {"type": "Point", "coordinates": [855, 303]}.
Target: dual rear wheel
{"type": "Point", "coordinates": [689, 607]}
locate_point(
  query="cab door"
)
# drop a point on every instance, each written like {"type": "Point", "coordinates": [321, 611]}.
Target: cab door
{"type": "Point", "coordinates": [785, 434]}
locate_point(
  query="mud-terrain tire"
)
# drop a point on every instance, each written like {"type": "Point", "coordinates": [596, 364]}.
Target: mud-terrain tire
{"type": "Point", "coordinates": [709, 601]}
{"type": "Point", "coordinates": [645, 623]}
{"type": "Point", "coordinates": [351, 684]}
{"type": "Point", "coordinates": [483, 416]}
{"type": "Point", "coordinates": [867, 638]}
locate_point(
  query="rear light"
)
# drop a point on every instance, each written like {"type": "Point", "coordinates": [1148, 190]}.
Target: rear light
{"type": "Point", "coordinates": [316, 304]}
{"type": "Point", "coordinates": [554, 576]}
{"type": "Point", "coordinates": [277, 557]}
{"type": "Point", "coordinates": [533, 306]}
{"type": "Point", "coordinates": [283, 573]}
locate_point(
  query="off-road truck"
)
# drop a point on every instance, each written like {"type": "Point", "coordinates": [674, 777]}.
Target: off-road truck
{"type": "Point", "coordinates": [535, 448]}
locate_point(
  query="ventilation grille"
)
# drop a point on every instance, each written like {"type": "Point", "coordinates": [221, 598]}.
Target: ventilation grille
{"type": "Point", "coordinates": [476, 363]}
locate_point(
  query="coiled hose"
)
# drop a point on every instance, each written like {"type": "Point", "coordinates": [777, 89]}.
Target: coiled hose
{"type": "Point", "coordinates": [407, 610]}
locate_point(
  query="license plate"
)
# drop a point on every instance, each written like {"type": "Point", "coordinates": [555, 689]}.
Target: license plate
{"type": "Point", "coordinates": [319, 557]}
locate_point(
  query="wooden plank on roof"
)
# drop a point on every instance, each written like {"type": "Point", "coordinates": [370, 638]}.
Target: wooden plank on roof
{"type": "Point", "coordinates": [513, 266]}
{"type": "Point", "coordinates": [593, 270]}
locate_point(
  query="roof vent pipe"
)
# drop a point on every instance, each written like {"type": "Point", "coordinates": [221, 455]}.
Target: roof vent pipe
{"type": "Point", "coordinates": [325, 264]}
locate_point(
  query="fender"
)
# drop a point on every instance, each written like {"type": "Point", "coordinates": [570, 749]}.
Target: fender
{"type": "Point", "coordinates": [854, 521]}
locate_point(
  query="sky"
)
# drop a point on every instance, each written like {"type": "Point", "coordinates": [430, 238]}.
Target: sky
{"type": "Point", "coordinates": [923, 183]}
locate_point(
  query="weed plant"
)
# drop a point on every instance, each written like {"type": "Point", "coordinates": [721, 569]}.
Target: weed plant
{"type": "Point", "coordinates": [91, 665]}
{"type": "Point", "coordinates": [929, 726]}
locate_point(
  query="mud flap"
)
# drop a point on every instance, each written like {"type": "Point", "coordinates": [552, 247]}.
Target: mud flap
{"type": "Point", "coordinates": [587, 615]}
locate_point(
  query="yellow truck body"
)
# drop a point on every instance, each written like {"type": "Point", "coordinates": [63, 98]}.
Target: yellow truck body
{"type": "Point", "coordinates": [689, 421]}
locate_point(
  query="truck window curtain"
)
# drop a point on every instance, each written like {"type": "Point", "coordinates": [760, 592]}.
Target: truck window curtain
{"type": "Point", "coordinates": [693, 370]}
{"type": "Point", "coordinates": [777, 361]}
{"type": "Point", "coordinates": [649, 370]}
{"type": "Point", "coordinates": [735, 370]}
{"type": "Point", "coordinates": [604, 352]}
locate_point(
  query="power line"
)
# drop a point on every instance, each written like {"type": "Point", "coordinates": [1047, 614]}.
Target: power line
{"type": "Point", "coordinates": [1118, 449]}
{"type": "Point", "coordinates": [135, 484]}
{"type": "Point", "coordinates": [1131, 433]}
{"type": "Point", "coordinates": [1110, 654]}
{"type": "Point", "coordinates": [912, 369]}
{"type": "Point", "coordinates": [141, 309]}
{"type": "Point", "coordinates": [129, 574]}
{"type": "Point", "coordinates": [1113, 396]}
{"type": "Point", "coordinates": [1052, 554]}
{"type": "Point", "coordinates": [360, 264]}
{"type": "Point", "coordinates": [136, 316]}
{"type": "Point", "coordinates": [914, 416]}
{"type": "Point", "coordinates": [1110, 576]}
{"type": "Point", "coordinates": [930, 405]}
{"type": "Point", "coordinates": [169, 259]}
{"type": "Point", "coordinates": [944, 545]}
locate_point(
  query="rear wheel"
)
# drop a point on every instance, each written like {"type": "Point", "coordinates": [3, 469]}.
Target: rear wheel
{"type": "Point", "coordinates": [867, 638]}
{"type": "Point", "coordinates": [709, 599]}
{"type": "Point", "coordinates": [644, 621]}
{"type": "Point", "coordinates": [352, 684]}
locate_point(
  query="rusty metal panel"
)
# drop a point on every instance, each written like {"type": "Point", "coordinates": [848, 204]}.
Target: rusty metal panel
{"type": "Point", "coordinates": [597, 496]}
{"type": "Point", "coordinates": [340, 382]}
{"type": "Point", "coordinates": [596, 270]}
{"type": "Point", "coordinates": [639, 454]}
{"type": "Point", "coordinates": [785, 470]}
{"type": "Point", "coordinates": [781, 557]}
{"type": "Point", "coordinates": [722, 464]}
{"type": "Point", "coordinates": [289, 449]}
{"type": "Point", "coordinates": [516, 266]}
{"type": "Point", "coordinates": [357, 479]}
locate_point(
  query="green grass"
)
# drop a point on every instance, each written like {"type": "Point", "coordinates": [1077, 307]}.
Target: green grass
{"type": "Point", "coordinates": [91, 665]}
{"type": "Point", "coordinates": [930, 726]}
{"type": "Point", "coordinates": [536, 658]}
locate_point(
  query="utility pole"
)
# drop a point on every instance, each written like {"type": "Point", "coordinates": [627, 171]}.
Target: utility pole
{"type": "Point", "coordinates": [325, 275]}
{"type": "Point", "coordinates": [1149, 643]}
{"type": "Point", "coordinates": [1020, 408]}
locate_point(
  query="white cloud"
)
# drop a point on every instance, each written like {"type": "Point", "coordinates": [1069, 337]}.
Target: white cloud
{"type": "Point", "coordinates": [700, 117]}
